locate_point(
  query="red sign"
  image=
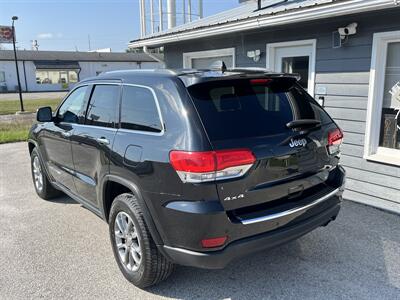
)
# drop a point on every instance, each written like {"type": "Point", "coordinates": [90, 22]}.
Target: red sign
{"type": "Point", "coordinates": [6, 34]}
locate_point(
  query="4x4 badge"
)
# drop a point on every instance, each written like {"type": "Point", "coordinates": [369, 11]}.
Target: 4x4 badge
{"type": "Point", "coordinates": [297, 143]}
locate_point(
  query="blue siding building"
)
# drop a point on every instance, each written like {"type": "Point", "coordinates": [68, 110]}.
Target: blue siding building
{"type": "Point", "coordinates": [353, 76]}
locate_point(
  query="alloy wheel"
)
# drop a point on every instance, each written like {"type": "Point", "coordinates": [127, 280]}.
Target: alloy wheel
{"type": "Point", "coordinates": [127, 242]}
{"type": "Point", "coordinates": [37, 174]}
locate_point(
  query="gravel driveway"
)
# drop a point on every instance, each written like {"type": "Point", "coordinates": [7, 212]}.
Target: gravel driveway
{"type": "Point", "coordinates": [58, 249]}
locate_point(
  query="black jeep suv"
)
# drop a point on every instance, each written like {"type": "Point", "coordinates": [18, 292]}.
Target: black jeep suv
{"type": "Point", "coordinates": [191, 167]}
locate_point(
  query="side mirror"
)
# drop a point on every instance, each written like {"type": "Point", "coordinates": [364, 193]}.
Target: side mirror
{"type": "Point", "coordinates": [44, 114]}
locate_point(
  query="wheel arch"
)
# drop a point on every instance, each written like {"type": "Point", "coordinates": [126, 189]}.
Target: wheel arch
{"type": "Point", "coordinates": [31, 145]}
{"type": "Point", "coordinates": [113, 186]}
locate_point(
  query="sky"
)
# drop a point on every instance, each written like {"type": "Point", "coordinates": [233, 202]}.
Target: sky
{"type": "Point", "coordinates": [67, 24]}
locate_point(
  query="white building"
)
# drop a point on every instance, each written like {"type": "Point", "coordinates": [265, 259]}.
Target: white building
{"type": "Point", "coordinates": [60, 70]}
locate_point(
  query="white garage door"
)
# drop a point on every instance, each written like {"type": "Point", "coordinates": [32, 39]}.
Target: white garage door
{"type": "Point", "coordinates": [204, 59]}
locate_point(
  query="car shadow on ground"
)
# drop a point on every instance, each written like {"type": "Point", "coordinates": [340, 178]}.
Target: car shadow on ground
{"type": "Point", "coordinates": [347, 259]}
{"type": "Point", "coordinates": [63, 199]}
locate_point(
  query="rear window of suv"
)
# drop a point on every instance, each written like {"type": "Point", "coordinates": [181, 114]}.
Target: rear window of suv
{"type": "Point", "coordinates": [232, 109]}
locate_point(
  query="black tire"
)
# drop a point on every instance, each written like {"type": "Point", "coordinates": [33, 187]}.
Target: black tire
{"type": "Point", "coordinates": [46, 191]}
{"type": "Point", "coordinates": [153, 267]}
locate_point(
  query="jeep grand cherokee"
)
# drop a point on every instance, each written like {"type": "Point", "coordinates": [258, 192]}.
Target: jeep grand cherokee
{"type": "Point", "coordinates": [192, 167]}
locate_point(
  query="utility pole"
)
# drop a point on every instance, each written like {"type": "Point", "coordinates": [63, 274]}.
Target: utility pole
{"type": "Point", "coordinates": [14, 18]}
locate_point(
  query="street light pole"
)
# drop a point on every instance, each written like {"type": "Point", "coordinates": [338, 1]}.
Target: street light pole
{"type": "Point", "coordinates": [16, 64]}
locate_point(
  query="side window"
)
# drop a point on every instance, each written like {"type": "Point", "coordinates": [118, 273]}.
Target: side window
{"type": "Point", "coordinates": [73, 108]}
{"type": "Point", "coordinates": [139, 110]}
{"type": "Point", "coordinates": [103, 106]}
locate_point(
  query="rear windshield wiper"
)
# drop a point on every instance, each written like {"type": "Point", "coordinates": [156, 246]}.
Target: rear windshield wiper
{"type": "Point", "coordinates": [303, 123]}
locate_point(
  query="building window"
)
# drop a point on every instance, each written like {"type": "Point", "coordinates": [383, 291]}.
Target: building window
{"type": "Point", "coordinates": [2, 76]}
{"type": "Point", "coordinates": [56, 76]}
{"type": "Point", "coordinates": [203, 59]}
{"type": "Point", "coordinates": [382, 141]}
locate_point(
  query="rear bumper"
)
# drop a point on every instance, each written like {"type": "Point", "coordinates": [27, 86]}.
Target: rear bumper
{"type": "Point", "coordinates": [219, 259]}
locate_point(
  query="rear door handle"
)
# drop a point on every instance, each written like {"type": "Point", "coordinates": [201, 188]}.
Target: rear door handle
{"type": "Point", "coordinates": [103, 141]}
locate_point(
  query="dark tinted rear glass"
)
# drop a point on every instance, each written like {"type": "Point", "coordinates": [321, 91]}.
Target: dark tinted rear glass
{"type": "Point", "coordinates": [139, 110]}
{"type": "Point", "coordinates": [233, 109]}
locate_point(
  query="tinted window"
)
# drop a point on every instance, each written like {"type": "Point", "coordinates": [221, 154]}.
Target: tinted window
{"type": "Point", "coordinates": [139, 110]}
{"type": "Point", "coordinates": [103, 106]}
{"type": "Point", "coordinates": [240, 108]}
{"type": "Point", "coordinates": [73, 108]}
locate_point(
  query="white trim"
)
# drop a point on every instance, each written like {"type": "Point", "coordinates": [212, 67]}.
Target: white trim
{"type": "Point", "coordinates": [270, 58]}
{"type": "Point", "coordinates": [386, 155]}
{"type": "Point", "coordinates": [188, 56]}
{"type": "Point", "coordinates": [372, 151]}
{"type": "Point", "coordinates": [334, 9]}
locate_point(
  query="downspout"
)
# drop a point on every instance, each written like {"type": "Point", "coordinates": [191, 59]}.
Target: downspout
{"type": "Point", "coordinates": [146, 50]}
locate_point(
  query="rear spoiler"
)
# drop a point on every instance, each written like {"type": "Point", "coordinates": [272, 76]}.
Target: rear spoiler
{"type": "Point", "coordinates": [235, 73]}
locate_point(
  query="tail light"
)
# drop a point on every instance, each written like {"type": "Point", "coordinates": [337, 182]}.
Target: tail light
{"type": "Point", "coordinates": [260, 81]}
{"type": "Point", "coordinates": [335, 139]}
{"type": "Point", "coordinates": [211, 165]}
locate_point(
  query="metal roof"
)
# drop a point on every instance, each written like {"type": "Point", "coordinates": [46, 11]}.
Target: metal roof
{"type": "Point", "coordinates": [272, 13]}
{"type": "Point", "coordinates": [28, 55]}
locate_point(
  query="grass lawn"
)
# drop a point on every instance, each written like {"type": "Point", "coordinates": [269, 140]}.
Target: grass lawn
{"type": "Point", "coordinates": [11, 106]}
{"type": "Point", "coordinates": [14, 131]}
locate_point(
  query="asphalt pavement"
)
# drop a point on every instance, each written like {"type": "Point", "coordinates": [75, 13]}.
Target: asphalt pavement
{"type": "Point", "coordinates": [58, 249]}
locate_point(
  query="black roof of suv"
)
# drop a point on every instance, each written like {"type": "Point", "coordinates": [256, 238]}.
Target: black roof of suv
{"type": "Point", "coordinates": [193, 167]}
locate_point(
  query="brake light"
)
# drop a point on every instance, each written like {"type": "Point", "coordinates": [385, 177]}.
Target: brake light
{"type": "Point", "coordinates": [215, 242]}
{"type": "Point", "coordinates": [335, 139]}
{"type": "Point", "coordinates": [259, 81]}
{"type": "Point", "coordinates": [211, 165]}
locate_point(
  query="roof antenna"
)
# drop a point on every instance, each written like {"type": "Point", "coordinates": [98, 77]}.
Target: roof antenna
{"type": "Point", "coordinates": [218, 65]}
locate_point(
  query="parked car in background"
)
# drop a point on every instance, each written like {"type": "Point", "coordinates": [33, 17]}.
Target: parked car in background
{"type": "Point", "coordinates": [195, 167]}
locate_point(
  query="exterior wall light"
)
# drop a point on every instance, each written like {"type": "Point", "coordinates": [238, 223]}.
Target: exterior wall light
{"type": "Point", "coordinates": [255, 55]}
